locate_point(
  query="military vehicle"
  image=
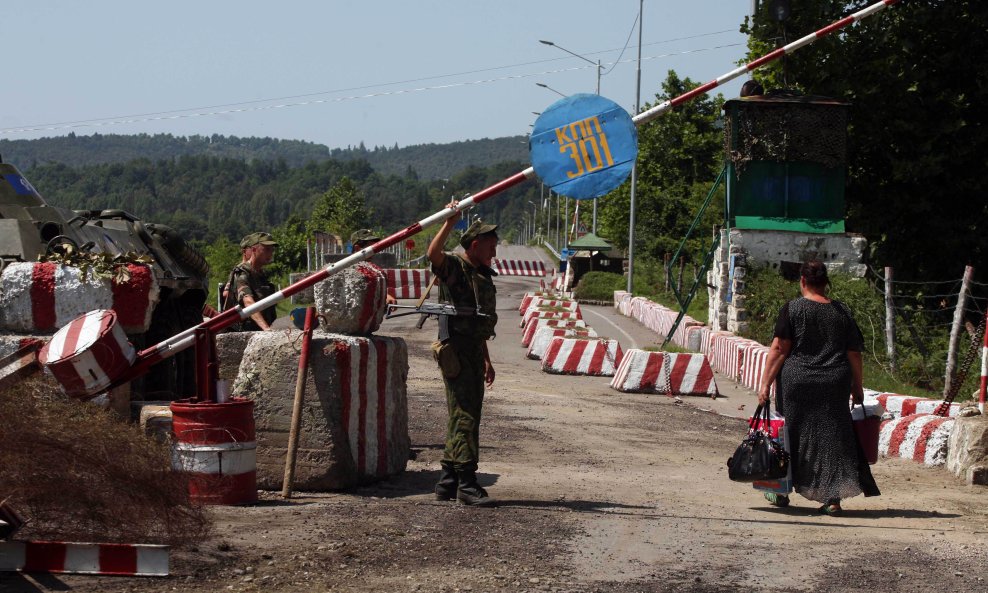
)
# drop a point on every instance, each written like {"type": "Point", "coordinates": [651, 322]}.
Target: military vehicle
{"type": "Point", "coordinates": [30, 227]}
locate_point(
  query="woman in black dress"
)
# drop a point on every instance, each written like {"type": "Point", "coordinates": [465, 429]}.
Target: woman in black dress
{"type": "Point", "coordinates": [817, 346]}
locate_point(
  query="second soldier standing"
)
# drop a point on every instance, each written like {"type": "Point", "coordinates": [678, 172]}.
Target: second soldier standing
{"type": "Point", "coordinates": [464, 361]}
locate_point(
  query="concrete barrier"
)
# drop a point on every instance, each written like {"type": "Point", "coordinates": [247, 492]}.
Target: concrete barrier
{"type": "Point", "coordinates": [920, 437]}
{"type": "Point", "coordinates": [543, 337]}
{"type": "Point", "coordinates": [907, 405]}
{"type": "Point", "coordinates": [516, 267]}
{"type": "Point", "coordinates": [542, 314]}
{"type": "Point", "coordinates": [571, 356]}
{"type": "Point", "coordinates": [642, 371]}
{"type": "Point", "coordinates": [43, 297]}
{"type": "Point", "coordinates": [355, 419]}
{"type": "Point", "coordinates": [533, 325]}
{"type": "Point", "coordinates": [352, 301]}
{"type": "Point", "coordinates": [536, 303]}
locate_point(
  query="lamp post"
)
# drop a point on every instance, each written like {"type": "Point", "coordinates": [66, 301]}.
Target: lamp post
{"type": "Point", "coordinates": [634, 166]}
{"type": "Point", "coordinates": [545, 86]}
{"type": "Point", "coordinates": [535, 213]}
{"type": "Point", "coordinates": [597, 64]}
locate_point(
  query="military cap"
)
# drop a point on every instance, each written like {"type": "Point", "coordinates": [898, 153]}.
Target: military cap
{"type": "Point", "coordinates": [474, 231]}
{"type": "Point", "coordinates": [257, 239]}
{"type": "Point", "coordinates": [364, 236]}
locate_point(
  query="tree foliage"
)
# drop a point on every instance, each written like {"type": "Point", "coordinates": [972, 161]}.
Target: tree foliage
{"type": "Point", "coordinates": [340, 211]}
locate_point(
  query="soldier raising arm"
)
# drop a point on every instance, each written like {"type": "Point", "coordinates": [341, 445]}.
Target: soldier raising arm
{"type": "Point", "coordinates": [466, 281]}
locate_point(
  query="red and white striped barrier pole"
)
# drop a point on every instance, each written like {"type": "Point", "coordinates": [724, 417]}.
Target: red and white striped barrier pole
{"type": "Point", "coordinates": [183, 340]}
{"type": "Point", "coordinates": [984, 369]}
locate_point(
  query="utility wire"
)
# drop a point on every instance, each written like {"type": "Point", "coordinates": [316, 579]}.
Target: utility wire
{"type": "Point", "coordinates": [237, 107]}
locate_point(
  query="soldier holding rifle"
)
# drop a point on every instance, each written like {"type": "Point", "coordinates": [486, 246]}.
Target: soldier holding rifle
{"type": "Point", "coordinates": [466, 282]}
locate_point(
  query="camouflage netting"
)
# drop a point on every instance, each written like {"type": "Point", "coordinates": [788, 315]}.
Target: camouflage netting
{"type": "Point", "coordinates": [787, 132]}
{"type": "Point", "coordinates": [78, 473]}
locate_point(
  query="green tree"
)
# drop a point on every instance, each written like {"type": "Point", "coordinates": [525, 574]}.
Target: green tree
{"type": "Point", "coordinates": [340, 210]}
{"type": "Point", "coordinates": [290, 256]}
{"type": "Point", "coordinates": [679, 156]}
{"type": "Point", "coordinates": [916, 141]}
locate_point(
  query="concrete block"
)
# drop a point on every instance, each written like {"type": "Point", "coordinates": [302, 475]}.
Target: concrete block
{"type": "Point", "coordinates": [230, 347]}
{"type": "Point", "coordinates": [968, 445]}
{"type": "Point", "coordinates": [352, 301]}
{"type": "Point", "coordinates": [543, 337]}
{"type": "Point", "coordinates": [977, 475]}
{"type": "Point", "coordinates": [155, 419]}
{"type": "Point", "coordinates": [355, 415]}
{"type": "Point", "coordinates": [307, 296]}
{"type": "Point", "coordinates": [572, 356]}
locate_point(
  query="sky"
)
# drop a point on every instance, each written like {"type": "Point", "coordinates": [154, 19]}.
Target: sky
{"type": "Point", "coordinates": [339, 73]}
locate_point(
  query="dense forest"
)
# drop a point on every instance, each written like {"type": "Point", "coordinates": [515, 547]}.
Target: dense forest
{"type": "Point", "coordinates": [426, 161]}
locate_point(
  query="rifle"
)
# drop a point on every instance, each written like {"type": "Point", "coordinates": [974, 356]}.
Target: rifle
{"type": "Point", "coordinates": [441, 311]}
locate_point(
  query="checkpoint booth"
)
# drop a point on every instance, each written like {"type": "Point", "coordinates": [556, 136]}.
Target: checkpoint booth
{"type": "Point", "coordinates": [591, 253]}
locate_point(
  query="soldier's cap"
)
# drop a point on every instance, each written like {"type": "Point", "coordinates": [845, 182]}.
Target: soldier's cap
{"type": "Point", "coordinates": [257, 239]}
{"type": "Point", "coordinates": [363, 236]}
{"type": "Point", "coordinates": [474, 231]}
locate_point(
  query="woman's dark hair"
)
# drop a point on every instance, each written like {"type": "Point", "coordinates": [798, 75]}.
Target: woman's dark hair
{"type": "Point", "coordinates": [815, 273]}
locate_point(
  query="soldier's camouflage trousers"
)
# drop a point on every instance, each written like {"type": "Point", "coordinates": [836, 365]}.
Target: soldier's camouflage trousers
{"type": "Point", "coordinates": [464, 400]}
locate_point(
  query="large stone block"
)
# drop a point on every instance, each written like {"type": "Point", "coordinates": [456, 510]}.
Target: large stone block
{"type": "Point", "coordinates": [967, 447]}
{"type": "Point", "coordinates": [355, 415]}
{"type": "Point", "coordinates": [230, 347]}
{"type": "Point", "coordinates": [352, 301]}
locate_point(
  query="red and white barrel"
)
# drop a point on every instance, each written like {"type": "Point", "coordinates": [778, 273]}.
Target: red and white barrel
{"type": "Point", "coordinates": [88, 354]}
{"type": "Point", "coordinates": [216, 446]}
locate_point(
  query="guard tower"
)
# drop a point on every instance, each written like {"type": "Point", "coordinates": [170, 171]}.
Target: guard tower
{"type": "Point", "coordinates": [786, 158]}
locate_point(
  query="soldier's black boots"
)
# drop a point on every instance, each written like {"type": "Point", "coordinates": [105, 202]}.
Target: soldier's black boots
{"type": "Point", "coordinates": [446, 487]}
{"type": "Point", "coordinates": [470, 492]}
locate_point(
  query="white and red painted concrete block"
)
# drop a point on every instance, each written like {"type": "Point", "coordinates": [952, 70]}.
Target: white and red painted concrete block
{"type": "Point", "coordinates": [43, 297]}
{"type": "Point", "coordinates": [517, 267]}
{"type": "Point", "coordinates": [352, 301]}
{"type": "Point", "coordinates": [920, 437]}
{"type": "Point", "coordinates": [543, 314]}
{"type": "Point", "coordinates": [527, 298]}
{"type": "Point", "coordinates": [84, 558]}
{"type": "Point", "coordinates": [642, 371]}
{"type": "Point", "coordinates": [355, 425]}
{"type": "Point", "coordinates": [550, 303]}
{"type": "Point", "coordinates": [533, 325]}
{"type": "Point", "coordinates": [906, 405]}
{"type": "Point", "coordinates": [408, 284]}
{"type": "Point", "coordinates": [572, 356]}
{"type": "Point", "coordinates": [88, 354]}
{"type": "Point", "coordinates": [544, 335]}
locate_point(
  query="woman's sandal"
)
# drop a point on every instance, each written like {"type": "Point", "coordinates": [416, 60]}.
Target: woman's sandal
{"type": "Point", "coordinates": [777, 500]}
{"type": "Point", "coordinates": [831, 509]}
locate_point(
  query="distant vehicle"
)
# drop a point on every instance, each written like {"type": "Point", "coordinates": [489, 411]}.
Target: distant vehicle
{"type": "Point", "coordinates": [30, 227]}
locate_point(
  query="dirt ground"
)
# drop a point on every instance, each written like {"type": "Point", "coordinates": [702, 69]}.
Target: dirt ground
{"type": "Point", "coordinates": [599, 492]}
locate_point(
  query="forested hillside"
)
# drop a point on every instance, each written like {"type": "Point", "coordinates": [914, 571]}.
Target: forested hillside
{"type": "Point", "coordinates": [427, 161]}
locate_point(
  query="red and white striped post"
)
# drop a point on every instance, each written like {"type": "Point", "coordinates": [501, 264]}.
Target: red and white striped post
{"type": "Point", "coordinates": [183, 340]}
{"type": "Point", "coordinates": [984, 369]}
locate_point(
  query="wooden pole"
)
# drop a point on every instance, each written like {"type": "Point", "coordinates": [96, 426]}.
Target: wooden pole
{"type": "Point", "coordinates": [665, 266]}
{"type": "Point", "coordinates": [679, 279]}
{"type": "Point", "coordinates": [293, 434]}
{"type": "Point", "coordinates": [889, 320]}
{"type": "Point", "coordinates": [955, 330]}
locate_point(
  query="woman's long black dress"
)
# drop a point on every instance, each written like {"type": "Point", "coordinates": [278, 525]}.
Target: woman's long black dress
{"type": "Point", "coordinates": [815, 388]}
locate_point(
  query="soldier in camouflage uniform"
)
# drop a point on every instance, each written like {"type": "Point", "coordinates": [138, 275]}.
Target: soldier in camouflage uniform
{"type": "Point", "coordinates": [248, 283]}
{"type": "Point", "coordinates": [465, 363]}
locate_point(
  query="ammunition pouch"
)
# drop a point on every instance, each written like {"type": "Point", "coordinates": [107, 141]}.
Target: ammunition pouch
{"type": "Point", "coordinates": [445, 355]}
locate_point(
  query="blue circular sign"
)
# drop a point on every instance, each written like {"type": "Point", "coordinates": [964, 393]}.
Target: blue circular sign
{"type": "Point", "coordinates": [583, 146]}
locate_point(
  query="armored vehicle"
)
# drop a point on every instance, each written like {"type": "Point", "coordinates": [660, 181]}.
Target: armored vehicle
{"type": "Point", "coordinates": [30, 227]}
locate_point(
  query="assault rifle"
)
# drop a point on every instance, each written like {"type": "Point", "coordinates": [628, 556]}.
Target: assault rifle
{"type": "Point", "coordinates": [441, 311]}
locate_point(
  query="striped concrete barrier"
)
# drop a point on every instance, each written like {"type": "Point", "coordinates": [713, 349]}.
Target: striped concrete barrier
{"type": "Point", "coordinates": [543, 314]}
{"type": "Point", "coordinates": [906, 405]}
{"type": "Point", "coordinates": [352, 301]}
{"type": "Point", "coordinates": [544, 335]}
{"type": "Point", "coordinates": [920, 437]}
{"type": "Point", "coordinates": [550, 303]}
{"type": "Point", "coordinates": [84, 558]}
{"type": "Point", "coordinates": [526, 299]}
{"type": "Point", "coordinates": [408, 284]}
{"type": "Point", "coordinates": [516, 267]}
{"type": "Point", "coordinates": [641, 371]}
{"type": "Point", "coordinates": [43, 297]}
{"type": "Point", "coordinates": [529, 332]}
{"type": "Point", "coordinates": [572, 356]}
{"type": "Point", "coordinates": [355, 422]}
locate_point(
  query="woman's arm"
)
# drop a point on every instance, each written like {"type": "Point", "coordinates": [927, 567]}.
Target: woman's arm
{"type": "Point", "coordinates": [857, 376]}
{"type": "Point", "coordinates": [777, 354]}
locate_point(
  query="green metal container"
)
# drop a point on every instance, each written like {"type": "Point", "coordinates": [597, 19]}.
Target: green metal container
{"type": "Point", "coordinates": [786, 163]}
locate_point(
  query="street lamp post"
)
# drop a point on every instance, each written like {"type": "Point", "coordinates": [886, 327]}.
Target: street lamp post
{"type": "Point", "coordinates": [545, 86]}
{"type": "Point", "coordinates": [534, 218]}
{"type": "Point", "coordinates": [634, 166]}
{"type": "Point", "coordinates": [597, 64]}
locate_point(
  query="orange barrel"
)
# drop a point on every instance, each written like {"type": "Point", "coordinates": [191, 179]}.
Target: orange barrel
{"type": "Point", "coordinates": [88, 354]}
{"type": "Point", "coordinates": [215, 444]}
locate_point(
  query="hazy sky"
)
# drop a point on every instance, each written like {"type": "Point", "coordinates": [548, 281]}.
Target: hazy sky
{"type": "Point", "coordinates": [338, 73]}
